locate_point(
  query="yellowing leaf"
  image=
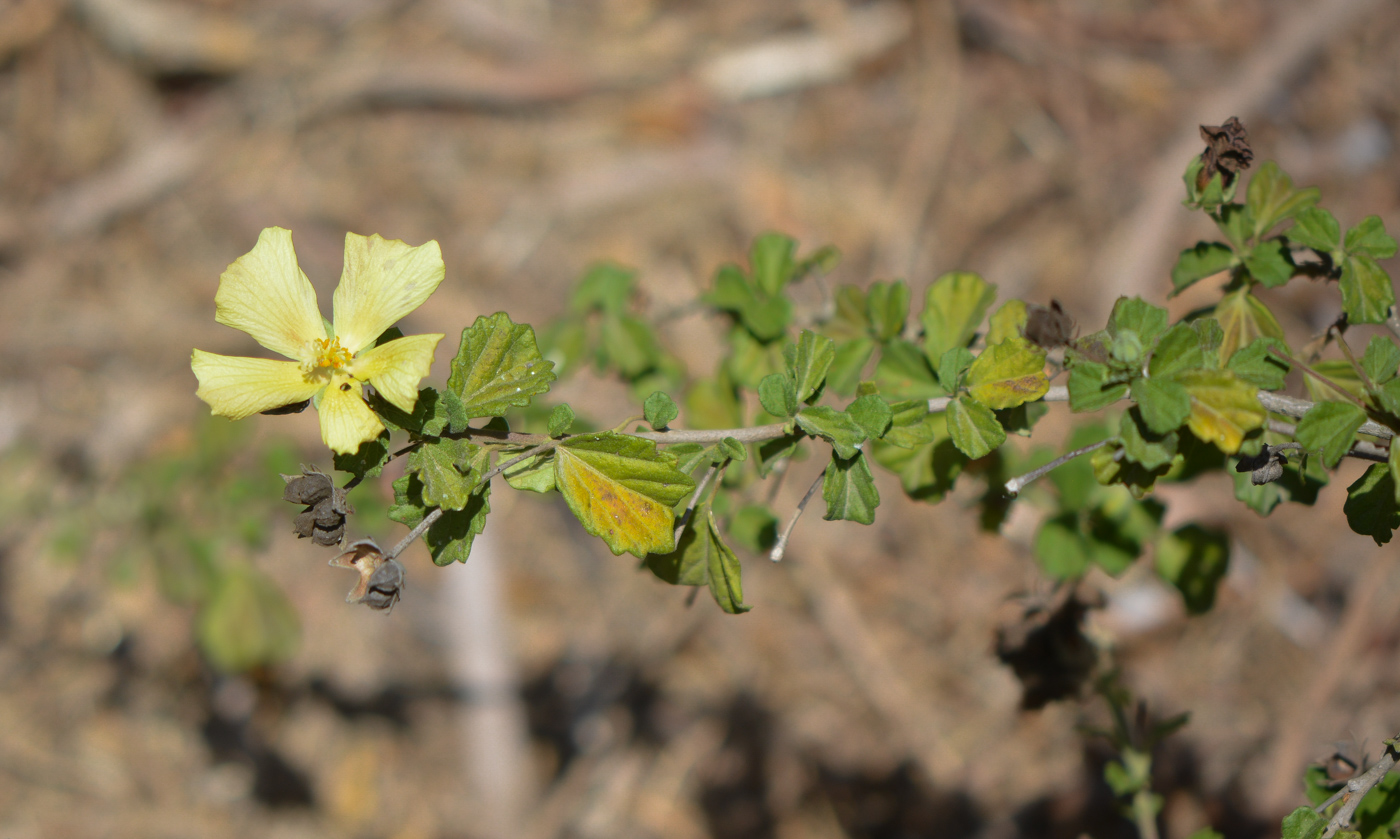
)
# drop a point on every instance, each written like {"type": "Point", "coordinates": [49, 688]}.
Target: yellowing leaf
{"type": "Point", "coordinates": [1008, 374]}
{"type": "Point", "coordinates": [953, 309]}
{"type": "Point", "coordinates": [1007, 323]}
{"type": "Point", "coordinates": [622, 490]}
{"type": "Point", "coordinates": [1243, 319]}
{"type": "Point", "coordinates": [1223, 407]}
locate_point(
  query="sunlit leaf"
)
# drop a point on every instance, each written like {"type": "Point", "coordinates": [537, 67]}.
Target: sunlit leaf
{"type": "Point", "coordinates": [953, 309]}
{"type": "Point", "coordinates": [659, 410]}
{"type": "Point", "coordinates": [1008, 374]}
{"type": "Point", "coordinates": [1204, 260]}
{"type": "Point", "coordinates": [622, 490]}
{"type": "Point", "coordinates": [849, 490]}
{"type": "Point", "coordinates": [1223, 407]}
{"type": "Point", "coordinates": [808, 360]}
{"type": "Point", "coordinates": [836, 427]}
{"type": "Point", "coordinates": [1266, 263]}
{"type": "Point", "coordinates": [1261, 368]}
{"type": "Point", "coordinates": [1369, 237]}
{"type": "Point", "coordinates": [1089, 388]}
{"type": "Point", "coordinates": [1329, 429]}
{"type": "Point", "coordinates": [873, 414]}
{"type": "Point", "coordinates": [974, 428]}
{"type": "Point", "coordinates": [1317, 229]}
{"type": "Point", "coordinates": [449, 539]}
{"type": "Point", "coordinates": [1244, 319]}
{"type": "Point", "coordinates": [444, 466]}
{"type": "Point", "coordinates": [1271, 197]}
{"type": "Point", "coordinates": [498, 367]}
{"type": "Point", "coordinates": [1007, 322]}
{"type": "Point", "coordinates": [887, 305]}
{"type": "Point", "coordinates": [1367, 294]}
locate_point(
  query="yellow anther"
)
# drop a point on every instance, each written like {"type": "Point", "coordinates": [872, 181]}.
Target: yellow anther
{"type": "Point", "coordinates": [329, 353]}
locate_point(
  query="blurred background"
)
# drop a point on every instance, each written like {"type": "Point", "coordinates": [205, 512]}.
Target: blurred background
{"type": "Point", "coordinates": [547, 688]}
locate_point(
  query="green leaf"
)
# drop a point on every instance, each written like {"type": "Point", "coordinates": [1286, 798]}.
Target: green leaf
{"type": "Point", "coordinates": [247, 622]}
{"type": "Point", "coordinates": [1340, 372]}
{"type": "Point", "coordinates": [1119, 528]}
{"type": "Point", "coordinates": [771, 261]}
{"type": "Point", "coordinates": [974, 427]}
{"type": "Point", "coordinates": [1381, 359]}
{"type": "Point", "coordinates": [1244, 319]}
{"type": "Point", "coordinates": [953, 309]}
{"type": "Point", "coordinates": [1204, 260]}
{"type": "Point", "coordinates": [1303, 823]}
{"type": "Point", "coordinates": [751, 359]}
{"type": "Point", "coordinates": [622, 490]}
{"type": "Point", "coordinates": [765, 317]}
{"type": "Point", "coordinates": [1143, 445]}
{"type": "Point", "coordinates": [1369, 237]}
{"type": "Point", "coordinates": [1370, 508]}
{"type": "Point", "coordinates": [1266, 263]}
{"type": "Point", "coordinates": [1329, 428]}
{"type": "Point", "coordinates": [731, 449]}
{"type": "Point", "coordinates": [561, 419]}
{"type": "Point", "coordinates": [1236, 222]}
{"type": "Point", "coordinates": [1137, 316]}
{"type": "Point", "coordinates": [807, 361]}
{"type": "Point", "coordinates": [1089, 389]}
{"type": "Point", "coordinates": [851, 320]}
{"type": "Point", "coordinates": [903, 373]}
{"type": "Point", "coordinates": [836, 427]}
{"type": "Point", "coordinates": [449, 539]}
{"type": "Point", "coordinates": [849, 490]}
{"type": "Point", "coordinates": [1223, 407]}
{"type": "Point", "coordinates": [1271, 197]}
{"type": "Point", "coordinates": [606, 288]}
{"type": "Point", "coordinates": [774, 451]}
{"type": "Point", "coordinates": [1194, 560]}
{"type": "Point", "coordinates": [629, 345]}
{"type": "Point", "coordinates": [701, 559]}
{"type": "Point", "coordinates": [368, 460]}
{"type": "Point", "coordinates": [444, 466]}
{"type": "Point", "coordinates": [1317, 229]}
{"type": "Point", "coordinates": [951, 367]}
{"type": "Point", "coordinates": [535, 474]}
{"type": "Point", "coordinates": [1212, 336]}
{"type": "Point", "coordinates": [1007, 322]}
{"type": "Point", "coordinates": [887, 305]}
{"type": "Point", "coordinates": [873, 414]}
{"type": "Point", "coordinates": [1022, 418]}
{"type": "Point", "coordinates": [1261, 368]}
{"type": "Point", "coordinates": [755, 527]}
{"type": "Point", "coordinates": [1110, 466]}
{"type": "Point", "coordinates": [907, 427]}
{"type": "Point", "coordinates": [846, 367]}
{"type": "Point", "coordinates": [659, 410]}
{"type": "Point", "coordinates": [1178, 349]}
{"type": "Point", "coordinates": [498, 367]}
{"type": "Point", "coordinates": [1367, 295]}
{"type": "Point", "coordinates": [1063, 552]}
{"type": "Point", "coordinates": [1008, 374]}
{"type": "Point", "coordinates": [777, 396]}
{"type": "Point", "coordinates": [926, 470]}
{"type": "Point", "coordinates": [713, 403]}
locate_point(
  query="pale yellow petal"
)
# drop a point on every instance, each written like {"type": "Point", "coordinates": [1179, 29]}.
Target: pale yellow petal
{"type": "Point", "coordinates": [396, 367]}
{"type": "Point", "coordinates": [265, 294]}
{"type": "Point", "coordinates": [383, 280]}
{"type": "Point", "coordinates": [346, 421]}
{"type": "Point", "coordinates": [240, 387]}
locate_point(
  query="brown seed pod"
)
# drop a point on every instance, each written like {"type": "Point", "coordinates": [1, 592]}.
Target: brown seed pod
{"type": "Point", "coordinates": [323, 520]}
{"type": "Point", "coordinates": [1227, 152]}
{"type": "Point", "coordinates": [381, 580]}
{"type": "Point", "coordinates": [1048, 326]}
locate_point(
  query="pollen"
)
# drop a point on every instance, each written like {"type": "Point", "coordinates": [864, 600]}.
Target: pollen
{"type": "Point", "coordinates": [329, 353]}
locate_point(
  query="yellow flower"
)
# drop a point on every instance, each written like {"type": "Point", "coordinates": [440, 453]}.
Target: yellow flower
{"type": "Point", "coordinates": [265, 294]}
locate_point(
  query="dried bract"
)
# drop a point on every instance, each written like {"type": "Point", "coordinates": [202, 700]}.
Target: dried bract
{"type": "Point", "coordinates": [323, 520]}
{"type": "Point", "coordinates": [1267, 466]}
{"type": "Point", "coordinates": [1227, 152]}
{"type": "Point", "coordinates": [381, 580]}
{"type": "Point", "coordinates": [1048, 326]}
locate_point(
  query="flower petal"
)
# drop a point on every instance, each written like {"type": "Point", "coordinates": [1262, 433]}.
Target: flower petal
{"type": "Point", "coordinates": [383, 280]}
{"type": "Point", "coordinates": [396, 367]}
{"type": "Point", "coordinates": [240, 387]}
{"type": "Point", "coordinates": [265, 294]}
{"type": "Point", "coordinates": [346, 421]}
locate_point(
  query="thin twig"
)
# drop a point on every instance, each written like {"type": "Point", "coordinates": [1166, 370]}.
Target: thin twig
{"type": "Point", "coordinates": [1015, 485]}
{"type": "Point", "coordinates": [781, 547]}
{"type": "Point", "coordinates": [1291, 406]}
{"type": "Point", "coordinates": [1361, 449]}
{"type": "Point", "coordinates": [1357, 788]}
{"type": "Point", "coordinates": [428, 521]}
{"type": "Point", "coordinates": [1351, 359]}
{"type": "Point", "coordinates": [694, 502]}
{"type": "Point", "coordinates": [520, 458]}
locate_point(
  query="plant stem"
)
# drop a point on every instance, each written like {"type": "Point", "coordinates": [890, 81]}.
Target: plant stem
{"type": "Point", "coordinates": [1357, 788]}
{"type": "Point", "coordinates": [1316, 375]}
{"type": "Point", "coordinates": [1015, 485]}
{"type": "Point", "coordinates": [781, 547]}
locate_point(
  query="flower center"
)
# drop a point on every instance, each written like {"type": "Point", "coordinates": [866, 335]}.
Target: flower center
{"type": "Point", "coordinates": [327, 352]}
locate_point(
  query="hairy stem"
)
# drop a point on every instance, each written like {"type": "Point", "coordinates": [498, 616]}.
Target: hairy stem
{"type": "Point", "coordinates": [1018, 483]}
{"type": "Point", "coordinates": [1357, 788]}
{"type": "Point", "coordinates": [781, 547]}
